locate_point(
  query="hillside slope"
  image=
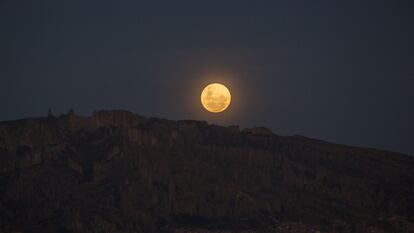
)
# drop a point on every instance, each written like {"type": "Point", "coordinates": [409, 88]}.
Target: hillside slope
{"type": "Point", "coordinates": [119, 172]}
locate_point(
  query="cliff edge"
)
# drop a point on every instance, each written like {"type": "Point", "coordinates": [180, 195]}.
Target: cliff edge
{"type": "Point", "coordinates": [116, 171]}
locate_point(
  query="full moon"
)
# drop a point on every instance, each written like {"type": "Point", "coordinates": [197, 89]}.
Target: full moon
{"type": "Point", "coordinates": [215, 97]}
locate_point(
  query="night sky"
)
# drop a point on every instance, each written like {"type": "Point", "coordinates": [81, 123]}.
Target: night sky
{"type": "Point", "coordinates": [341, 72]}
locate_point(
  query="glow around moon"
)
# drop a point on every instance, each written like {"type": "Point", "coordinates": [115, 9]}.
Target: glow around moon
{"type": "Point", "coordinates": [215, 97]}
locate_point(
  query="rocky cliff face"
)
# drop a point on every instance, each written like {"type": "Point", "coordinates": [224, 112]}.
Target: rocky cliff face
{"type": "Point", "coordinates": [119, 172]}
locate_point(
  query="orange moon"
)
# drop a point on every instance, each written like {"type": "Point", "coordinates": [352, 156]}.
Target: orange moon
{"type": "Point", "coordinates": [215, 98]}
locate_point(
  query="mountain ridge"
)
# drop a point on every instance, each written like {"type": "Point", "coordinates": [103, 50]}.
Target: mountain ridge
{"type": "Point", "coordinates": [121, 172]}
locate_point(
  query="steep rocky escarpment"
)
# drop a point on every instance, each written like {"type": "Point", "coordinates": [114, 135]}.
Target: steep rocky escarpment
{"type": "Point", "coordinates": [119, 172]}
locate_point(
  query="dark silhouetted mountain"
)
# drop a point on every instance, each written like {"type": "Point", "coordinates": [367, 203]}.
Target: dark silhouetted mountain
{"type": "Point", "coordinates": [119, 172]}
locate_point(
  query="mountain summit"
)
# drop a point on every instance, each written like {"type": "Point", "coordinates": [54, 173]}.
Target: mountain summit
{"type": "Point", "coordinates": [120, 172]}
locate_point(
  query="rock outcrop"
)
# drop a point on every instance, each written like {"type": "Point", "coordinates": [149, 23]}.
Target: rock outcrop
{"type": "Point", "coordinates": [119, 172]}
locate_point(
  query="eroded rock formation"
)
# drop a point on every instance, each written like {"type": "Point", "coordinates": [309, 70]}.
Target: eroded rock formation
{"type": "Point", "coordinates": [119, 172]}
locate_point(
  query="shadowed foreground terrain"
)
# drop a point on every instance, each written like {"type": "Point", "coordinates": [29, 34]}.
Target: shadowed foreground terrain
{"type": "Point", "coordinates": [119, 172]}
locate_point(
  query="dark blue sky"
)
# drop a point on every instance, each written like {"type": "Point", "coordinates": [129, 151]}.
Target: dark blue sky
{"type": "Point", "coordinates": [341, 72]}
